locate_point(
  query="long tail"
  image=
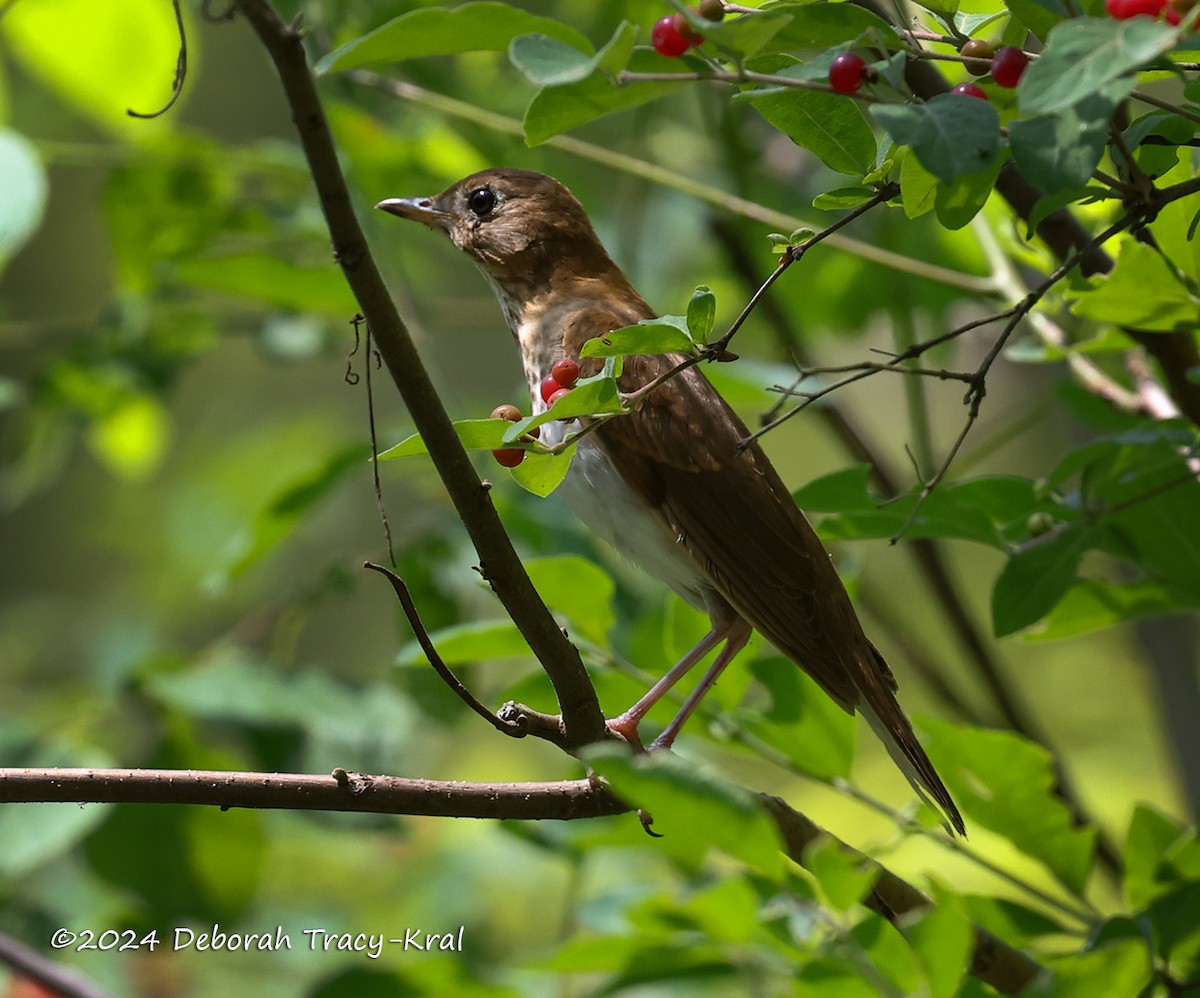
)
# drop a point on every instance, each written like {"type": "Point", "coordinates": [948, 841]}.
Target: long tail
{"type": "Point", "coordinates": [888, 720]}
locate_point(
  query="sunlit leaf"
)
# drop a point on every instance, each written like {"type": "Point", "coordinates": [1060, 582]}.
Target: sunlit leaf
{"type": "Point", "coordinates": [1005, 783]}
{"type": "Point", "coordinates": [429, 31]}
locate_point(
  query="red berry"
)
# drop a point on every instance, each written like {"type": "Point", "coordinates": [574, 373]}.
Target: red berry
{"type": "Point", "coordinates": [565, 372]}
{"type": "Point", "coordinates": [549, 386]}
{"type": "Point", "coordinates": [509, 412]}
{"type": "Point", "coordinates": [1008, 65]}
{"type": "Point", "coordinates": [510, 457]}
{"type": "Point", "coordinates": [1122, 10]}
{"type": "Point", "coordinates": [557, 395]}
{"type": "Point", "coordinates": [667, 39]}
{"type": "Point", "coordinates": [846, 73]}
{"type": "Point", "coordinates": [970, 90]}
{"type": "Point", "coordinates": [686, 31]}
{"type": "Point", "coordinates": [1172, 16]}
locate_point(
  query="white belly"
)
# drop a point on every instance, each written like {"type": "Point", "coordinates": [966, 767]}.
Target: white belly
{"type": "Point", "coordinates": [596, 493]}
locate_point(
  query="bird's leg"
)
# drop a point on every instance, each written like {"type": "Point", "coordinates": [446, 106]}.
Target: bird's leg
{"type": "Point", "coordinates": [734, 632]}
{"type": "Point", "coordinates": [736, 636]}
{"type": "Point", "coordinates": [626, 724]}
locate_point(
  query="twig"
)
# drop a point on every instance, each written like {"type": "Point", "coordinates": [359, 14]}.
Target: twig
{"type": "Point", "coordinates": [28, 963]}
{"type": "Point", "coordinates": [181, 67]}
{"type": "Point", "coordinates": [1163, 105]}
{"type": "Point", "coordinates": [514, 728]}
{"type": "Point", "coordinates": [378, 487]}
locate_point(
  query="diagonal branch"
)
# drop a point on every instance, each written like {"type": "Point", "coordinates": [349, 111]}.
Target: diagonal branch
{"type": "Point", "coordinates": [582, 720]}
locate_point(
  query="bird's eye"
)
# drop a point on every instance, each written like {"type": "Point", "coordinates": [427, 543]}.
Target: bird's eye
{"type": "Point", "coordinates": [482, 200]}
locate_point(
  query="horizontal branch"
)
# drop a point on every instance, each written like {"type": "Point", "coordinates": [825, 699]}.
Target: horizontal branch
{"type": "Point", "coordinates": [995, 962]}
{"type": "Point", "coordinates": [341, 791]}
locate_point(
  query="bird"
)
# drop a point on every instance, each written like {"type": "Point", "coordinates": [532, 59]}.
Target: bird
{"type": "Point", "coordinates": [674, 485]}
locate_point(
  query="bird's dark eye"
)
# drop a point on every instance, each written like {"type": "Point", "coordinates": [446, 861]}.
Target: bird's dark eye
{"type": "Point", "coordinates": [482, 200]}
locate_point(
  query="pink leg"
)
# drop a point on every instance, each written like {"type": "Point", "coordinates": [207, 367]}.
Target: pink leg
{"type": "Point", "coordinates": [735, 633]}
{"type": "Point", "coordinates": [735, 641]}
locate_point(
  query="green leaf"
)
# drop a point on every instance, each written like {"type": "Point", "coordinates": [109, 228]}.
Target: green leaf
{"type": "Point", "coordinates": [1121, 968]}
{"type": "Point", "coordinates": [579, 589]}
{"type": "Point", "coordinates": [830, 126]}
{"type": "Point", "coordinates": [842, 198]}
{"type": "Point", "coordinates": [803, 722]}
{"type": "Point", "coordinates": [1035, 579]}
{"type": "Point", "coordinates": [549, 62]}
{"type": "Point", "coordinates": [918, 187]}
{"type": "Point", "coordinates": [1085, 55]}
{"type": "Point", "coordinates": [648, 337]}
{"type": "Point", "coordinates": [1093, 604]}
{"type": "Point", "coordinates": [1005, 783]}
{"type": "Point", "coordinates": [463, 644]}
{"type": "Point", "coordinates": [1046, 206]}
{"type": "Point", "coordinates": [23, 193]}
{"type": "Point", "coordinates": [429, 31]}
{"type": "Point", "coordinates": [1040, 16]}
{"type": "Point", "coordinates": [845, 877]}
{"type": "Point", "coordinates": [958, 201]}
{"type": "Point", "coordinates": [701, 313]}
{"type": "Point", "coordinates": [541, 474]}
{"type": "Point", "coordinates": [287, 509]}
{"type": "Point", "coordinates": [558, 109]}
{"type": "Point", "coordinates": [474, 434]}
{"type": "Point", "coordinates": [1059, 152]}
{"type": "Point", "coordinates": [1010, 921]}
{"type": "Point", "coordinates": [942, 939]}
{"type": "Point", "coordinates": [272, 280]}
{"type": "Point", "coordinates": [589, 397]}
{"type": "Point", "coordinates": [743, 35]}
{"type": "Point", "coordinates": [693, 809]}
{"type": "Point", "coordinates": [952, 135]}
{"type": "Point", "coordinates": [1140, 291]}
{"type": "Point", "coordinates": [1151, 835]}
{"type": "Point", "coordinates": [820, 26]}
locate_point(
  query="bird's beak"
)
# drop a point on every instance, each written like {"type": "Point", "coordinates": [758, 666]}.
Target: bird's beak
{"type": "Point", "coordinates": [423, 210]}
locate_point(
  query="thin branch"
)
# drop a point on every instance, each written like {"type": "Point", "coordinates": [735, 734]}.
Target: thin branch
{"type": "Point", "coordinates": [577, 698]}
{"type": "Point", "coordinates": [514, 728]}
{"type": "Point", "coordinates": [55, 978]}
{"type": "Point", "coordinates": [181, 68]}
{"type": "Point", "coordinates": [1163, 105]}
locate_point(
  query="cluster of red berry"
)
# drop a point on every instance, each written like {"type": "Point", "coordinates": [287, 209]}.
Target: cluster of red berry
{"type": "Point", "coordinates": [560, 380]}
{"type": "Point", "coordinates": [849, 71]}
{"type": "Point", "coordinates": [555, 385]}
{"type": "Point", "coordinates": [672, 35]}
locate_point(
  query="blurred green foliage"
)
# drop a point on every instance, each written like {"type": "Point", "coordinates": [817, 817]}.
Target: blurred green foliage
{"type": "Point", "coordinates": [187, 500]}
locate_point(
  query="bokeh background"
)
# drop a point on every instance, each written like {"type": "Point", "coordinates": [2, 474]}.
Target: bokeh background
{"type": "Point", "coordinates": [187, 502]}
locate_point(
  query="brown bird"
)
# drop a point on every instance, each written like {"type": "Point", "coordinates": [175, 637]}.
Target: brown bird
{"type": "Point", "coordinates": [670, 486]}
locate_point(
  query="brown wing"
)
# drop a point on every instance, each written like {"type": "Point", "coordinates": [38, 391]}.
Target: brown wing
{"type": "Point", "coordinates": [680, 452]}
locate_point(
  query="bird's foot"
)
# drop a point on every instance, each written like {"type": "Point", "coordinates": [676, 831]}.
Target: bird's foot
{"type": "Point", "coordinates": [625, 727]}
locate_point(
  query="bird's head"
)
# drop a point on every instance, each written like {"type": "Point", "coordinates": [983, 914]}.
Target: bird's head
{"type": "Point", "coordinates": [525, 230]}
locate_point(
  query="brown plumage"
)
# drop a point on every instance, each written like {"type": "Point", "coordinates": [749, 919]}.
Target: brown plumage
{"type": "Point", "coordinates": [669, 485]}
